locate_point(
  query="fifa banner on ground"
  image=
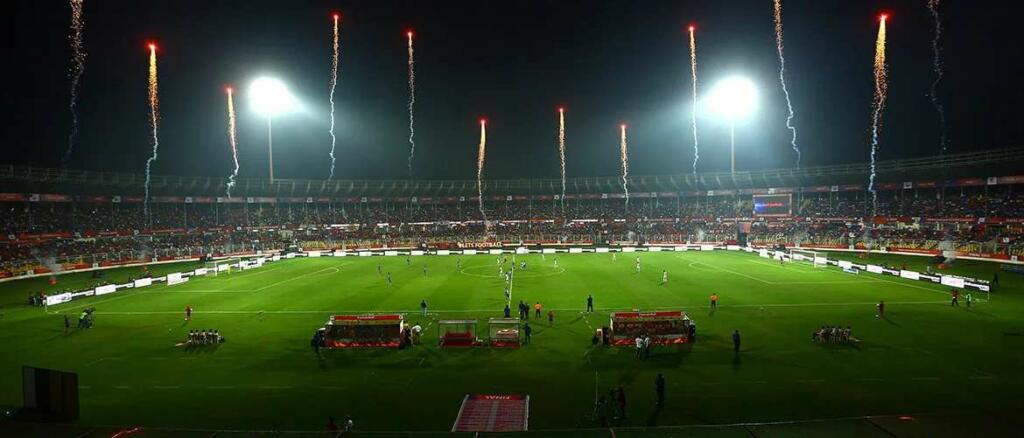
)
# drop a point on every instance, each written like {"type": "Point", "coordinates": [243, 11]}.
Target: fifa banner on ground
{"type": "Point", "coordinates": [493, 413]}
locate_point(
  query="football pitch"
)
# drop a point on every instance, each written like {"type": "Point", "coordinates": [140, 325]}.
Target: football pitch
{"type": "Point", "coordinates": [924, 358]}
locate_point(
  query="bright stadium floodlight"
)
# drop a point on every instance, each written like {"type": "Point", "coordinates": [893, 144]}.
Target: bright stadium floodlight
{"type": "Point", "coordinates": [270, 97]}
{"type": "Point", "coordinates": [733, 99]}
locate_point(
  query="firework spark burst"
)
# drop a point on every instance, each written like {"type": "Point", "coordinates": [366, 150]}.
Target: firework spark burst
{"type": "Point", "coordinates": [878, 104]}
{"type": "Point", "coordinates": [232, 139]}
{"type": "Point", "coordinates": [334, 84]}
{"type": "Point", "coordinates": [481, 153]}
{"type": "Point", "coordinates": [933, 8]}
{"type": "Point", "coordinates": [412, 101]}
{"type": "Point", "coordinates": [75, 35]}
{"type": "Point", "coordinates": [624, 157]}
{"type": "Point", "coordinates": [561, 151]}
{"type": "Point", "coordinates": [154, 123]}
{"type": "Point", "coordinates": [782, 79]}
{"type": "Point", "coordinates": [693, 83]}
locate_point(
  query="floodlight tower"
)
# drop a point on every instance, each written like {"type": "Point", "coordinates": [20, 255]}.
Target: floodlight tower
{"type": "Point", "coordinates": [733, 100]}
{"type": "Point", "coordinates": [270, 97]}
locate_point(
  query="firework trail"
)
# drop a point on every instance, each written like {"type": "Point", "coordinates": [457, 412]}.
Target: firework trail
{"type": "Point", "coordinates": [624, 156]}
{"type": "Point", "coordinates": [75, 73]}
{"type": "Point", "coordinates": [878, 104]}
{"type": "Point", "coordinates": [154, 122]}
{"type": "Point", "coordinates": [561, 150]}
{"type": "Point", "coordinates": [481, 152]}
{"type": "Point", "coordinates": [693, 81]}
{"type": "Point", "coordinates": [782, 78]}
{"type": "Point", "coordinates": [232, 139]}
{"type": "Point", "coordinates": [412, 101]}
{"type": "Point", "coordinates": [334, 84]}
{"type": "Point", "coordinates": [933, 8]}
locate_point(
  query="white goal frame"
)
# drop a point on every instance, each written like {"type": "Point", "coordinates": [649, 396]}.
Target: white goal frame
{"type": "Point", "coordinates": [817, 258]}
{"type": "Point", "coordinates": [216, 267]}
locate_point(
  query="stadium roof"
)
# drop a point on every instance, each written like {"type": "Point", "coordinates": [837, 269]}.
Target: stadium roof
{"type": "Point", "coordinates": [997, 162]}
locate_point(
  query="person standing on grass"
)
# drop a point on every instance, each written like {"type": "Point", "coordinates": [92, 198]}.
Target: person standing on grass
{"type": "Point", "coordinates": [736, 341]}
{"type": "Point", "coordinates": [389, 279]}
{"type": "Point", "coordinates": [639, 341]}
{"type": "Point", "coordinates": [601, 411]}
{"type": "Point", "coordinates": [67, 323]}
{"type": "Point", "coordinates": [423, 307]}
{"type": "Point", "coordinates": [647, 346]}
{"type": "Point", "coordinates": [955, 297]}
{"type": "Point", "coordinates": [408, 262]}
{"type": "Point", "coordinates": [424, 270]}
{"type": "Point", "coordinates": [664, 277]}
{"type": "Point", "coordinates": [995, 279]}
{"type": "Point", "coordinates": [508, 311]}
{"type": "Point", "coordinates": [613, 400]}
{"type": "Point", "coordinates": [970, 300]}
{"type": "Point", "coordinates": [188, 313]}
{"type": "Point", "coordinates": [590, 303]}
{"type": "Point", "coordinates": [620, 397]}
{"type": "Point", "coordinates": [659, 388]}
{"type": "Point", "coordinates": [379, 269]}
{"type": "Point", "coordinates": [714, 300]}
{"type": "Point", "coordinates": [536, 309]}
{"type": "Point", "coordinates": [349, 424]}
{"type": "Point", "coordinates": [881, 309]}
{"type": "Point", "coordinates": [637, 265]}
{"type": "Point", "coordinates": [551, 317]}
{"type": "Point", "coordinates": [528, 332]}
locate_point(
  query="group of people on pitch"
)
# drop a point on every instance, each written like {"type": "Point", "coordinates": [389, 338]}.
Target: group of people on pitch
{"type": "Point", "coordinates": [204, 337]}
{"type": "Point", "coordinates": [833, 335]}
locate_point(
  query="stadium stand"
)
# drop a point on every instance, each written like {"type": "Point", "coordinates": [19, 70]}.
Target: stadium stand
{"type": "Point", "coordinates": [96, 219]}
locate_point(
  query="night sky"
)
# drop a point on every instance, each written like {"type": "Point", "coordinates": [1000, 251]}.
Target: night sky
{"type": "Point", "coordinates": [513, 62]}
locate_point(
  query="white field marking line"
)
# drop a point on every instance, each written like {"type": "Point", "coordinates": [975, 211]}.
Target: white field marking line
{"type": "Point", "coordinates": [730, 271]}
{"type": "Point", "coordinates": [560, 270]}
{"type": "Point", "coordinates": [797, 271]}
{"type": "Point", "coordinates": [692, 265]}
{"type": "Point", "coordinates": [183, 290]}
{"type": "Point", "coordinates": [166, 387]}
{"type": "Point", "coordinates": [335, 268]}
{"type": "Point", "coordinates": [129, 294]}
{"type": "Point", "coordinates": [100, 360]}
{"type": "Point", "coordinates": [781, 283]}
{"type": "Point", "coordinates": [411, 311]}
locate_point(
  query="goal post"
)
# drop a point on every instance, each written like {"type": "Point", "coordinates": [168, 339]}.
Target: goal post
{"type": "Point", "coordinates": [222, 266]}
{"type": "Point", "coordinates": [817, 258]}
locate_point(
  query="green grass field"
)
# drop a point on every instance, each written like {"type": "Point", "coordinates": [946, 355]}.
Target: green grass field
{"type": "Point", "coordinates": [925, 358]}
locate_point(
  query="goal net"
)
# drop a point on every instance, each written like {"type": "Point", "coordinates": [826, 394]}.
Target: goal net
{"type": "Point", "coordinates": [817, 258]}
{"type": "Point", "coordinates": [223, 266]}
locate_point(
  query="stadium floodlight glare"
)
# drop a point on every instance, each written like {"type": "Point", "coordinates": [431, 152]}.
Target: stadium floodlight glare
{"type": "Point", "coordinates": [733, 99]}
{"type": "Point", "coordinates": [270, 97]}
